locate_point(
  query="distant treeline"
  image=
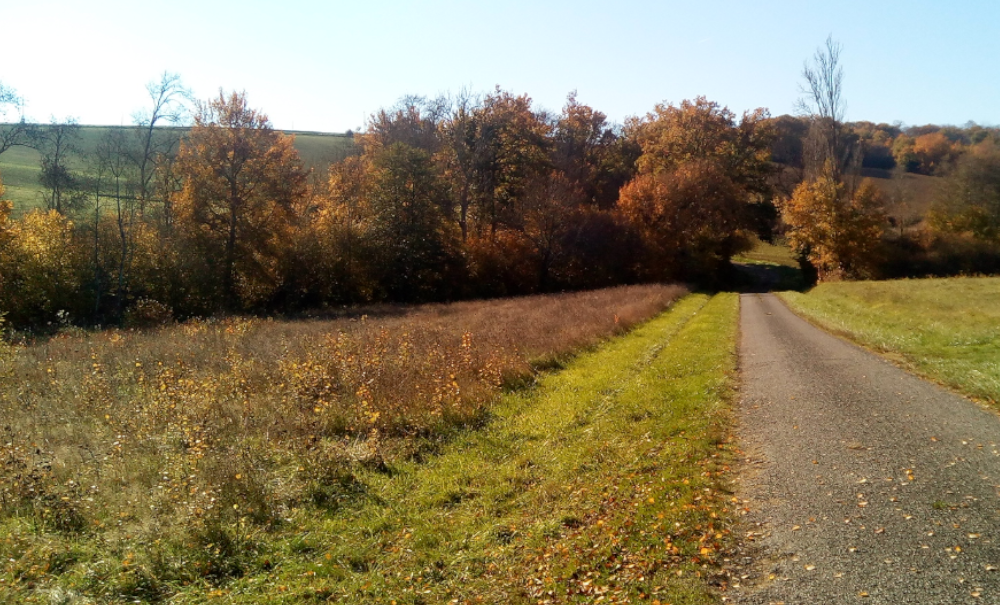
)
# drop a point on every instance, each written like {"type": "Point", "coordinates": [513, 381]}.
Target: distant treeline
{"type": "Point", "coordinates": [453, 198]}
{"type": "Point", "coordinates": [928, 149]}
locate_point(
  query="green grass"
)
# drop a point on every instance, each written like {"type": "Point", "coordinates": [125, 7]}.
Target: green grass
{"type": "Point", "coordinates": [945, 329]}
{"type": "Point", "coordinates": [19, 166]}
{"type": "Point", "coordinates": [605, 479]}
{"type": "Point", "coordinates": [774, 254]}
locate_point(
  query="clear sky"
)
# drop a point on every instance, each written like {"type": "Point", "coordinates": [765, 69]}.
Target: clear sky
{"type": "Point", "coordinates": [326, 65]}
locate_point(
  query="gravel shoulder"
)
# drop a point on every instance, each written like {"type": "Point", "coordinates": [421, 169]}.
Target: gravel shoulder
{"type": "Point", "coordinates": [861, 483]}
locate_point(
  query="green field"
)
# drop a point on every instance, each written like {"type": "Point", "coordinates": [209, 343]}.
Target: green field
{"type": "Point", "coordinates": [945, 329]}
{"type": "Point", "coordinates": [19, 166]}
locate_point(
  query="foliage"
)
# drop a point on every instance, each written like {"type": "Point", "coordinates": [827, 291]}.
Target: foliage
{"type": "Point", "coordinates": [40, 270]}
{"type": "Point", "coordinates": [971, 198]}
{"type": "Point", "coordinates": [699, 175]}
{"type": "Point", "coordinates": [415, 243]}
{"type": "Point", "coordinates": [242, 184]}
{"type": "Point", "coordinates": [836, 230]}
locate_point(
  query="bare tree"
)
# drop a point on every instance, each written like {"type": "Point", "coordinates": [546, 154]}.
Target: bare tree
{"type": "Point", "coordinates": [169, 105]}
{"type": "Point", "coordinates": [823, 100]}
{"type": "Point", "coordinates": [12, 132]}
{"type": "Point", "coordinates": [57, 144]}
{"type": "Point", "coordinates": [122, 186]}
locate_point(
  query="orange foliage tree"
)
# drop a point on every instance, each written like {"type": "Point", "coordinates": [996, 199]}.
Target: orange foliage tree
{"type": "Point", "coordinates": [242, 185]}
{"type": "Point", "coordinates": [836, 230]}
{"type": "Point", "coordinates": [700, 173]}
{"type": "Point", "coordinates": [934, 152]}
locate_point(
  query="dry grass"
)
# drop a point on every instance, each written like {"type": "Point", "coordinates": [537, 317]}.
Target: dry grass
{"type": "Point", "coordinates": [184, 442]}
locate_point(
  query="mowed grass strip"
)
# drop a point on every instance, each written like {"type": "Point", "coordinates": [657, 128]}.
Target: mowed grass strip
{"type": "Point", "coordinates": [945, 329]}
{"type": "Point", "coordinates": [605, 481]}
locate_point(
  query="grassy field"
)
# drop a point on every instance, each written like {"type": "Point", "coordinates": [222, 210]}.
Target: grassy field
{"type": "Point", "coordinates": [19, 166]}
{"type": "Point", "coordinates": [370, 460]}
{"type": "Point", "coordinates": [945, 329]}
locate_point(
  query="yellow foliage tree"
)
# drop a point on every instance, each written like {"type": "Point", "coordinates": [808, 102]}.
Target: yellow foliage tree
{"type": "Point", "coordinates": [836, 231]}
{"type": "Point", "coordinates": [242, 184]}
{"type": "Point", "coordinates": [39, 267]}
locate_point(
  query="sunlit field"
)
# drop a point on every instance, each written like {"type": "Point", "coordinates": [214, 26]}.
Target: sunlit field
{"type": "Point", "coordinates": [140, 464]}
{"type": "Point", "coordinates": [945, 329]}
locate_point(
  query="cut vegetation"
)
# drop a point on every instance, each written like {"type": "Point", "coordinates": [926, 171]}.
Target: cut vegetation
{"type": "Point", "coordinates": [945, 329]}
{"type": "Point", "coordinates": [217, 466]}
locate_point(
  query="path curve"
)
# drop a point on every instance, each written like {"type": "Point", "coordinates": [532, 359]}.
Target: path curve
{"type": "Point", "coordinates": [862, 483]}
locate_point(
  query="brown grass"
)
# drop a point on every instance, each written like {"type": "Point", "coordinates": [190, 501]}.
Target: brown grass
{"type": "Point", "coordinates": [177, 432]}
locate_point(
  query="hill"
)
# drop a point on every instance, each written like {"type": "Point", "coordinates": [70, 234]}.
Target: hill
{"type": "Point", "coordinates": [19, 166]}
{"type": "Point", "coordinates": [910, 195]}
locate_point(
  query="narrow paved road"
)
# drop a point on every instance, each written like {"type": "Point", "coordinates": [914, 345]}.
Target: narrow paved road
{"type": "Point", "coordinates": [863, 484]}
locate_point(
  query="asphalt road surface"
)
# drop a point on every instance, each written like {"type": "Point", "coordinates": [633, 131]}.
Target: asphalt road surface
{"type": "Point", "coordinates": [862, 483]}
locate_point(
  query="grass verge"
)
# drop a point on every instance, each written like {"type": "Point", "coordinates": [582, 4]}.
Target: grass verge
{"type": "Point", "coordinates": [605, 481]}
{"type": "Point", "coordinates": [945, 329]}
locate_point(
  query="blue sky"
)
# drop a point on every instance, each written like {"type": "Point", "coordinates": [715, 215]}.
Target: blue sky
{"type": "Point", "coordinates": [327, 65]}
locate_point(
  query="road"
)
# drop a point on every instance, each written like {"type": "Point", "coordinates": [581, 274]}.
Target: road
{"type": "Point", "coordinates": [861, 483]}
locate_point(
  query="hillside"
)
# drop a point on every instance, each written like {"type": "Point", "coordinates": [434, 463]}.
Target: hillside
{"type": "Point", "coordinates": [910, 195]}
{"type": "Point", "coordinates": [19, 166]}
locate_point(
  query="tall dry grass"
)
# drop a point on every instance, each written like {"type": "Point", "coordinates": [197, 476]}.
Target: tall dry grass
{"type": "Point", "coordinates": [205, 434]}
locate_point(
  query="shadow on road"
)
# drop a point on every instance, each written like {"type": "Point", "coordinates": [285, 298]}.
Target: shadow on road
{"type": "Point", "coordinates": [766, 277]}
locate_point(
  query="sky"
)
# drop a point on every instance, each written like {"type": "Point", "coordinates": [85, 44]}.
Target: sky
{"type": "Point", "coordinates": [327, 65]}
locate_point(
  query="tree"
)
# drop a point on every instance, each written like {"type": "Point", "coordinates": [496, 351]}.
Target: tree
{"type": "Point", "coordinates": [410, 229]}
{"type": "Point", "coordinates": [168, 105]}
{"type": "Point", "coordinates": [242, 183]}
{"type": "Point", "coordinates": [701, 178]}
{"type": "Point", "coordinates": [12, 132]}
{"type": "Point", "coordinates": [58, 144]}
{"type": "Point", "coordinates": [934, 152]}
{"type": "Point", "coordinates": [693, 218]}
{"type": "Point", "coordinates": [823, 100]}
{"type": "Point", "coordinates": [117, 178]}
{"type": "Point", "coordinates": [970, 200]}
{"type": "Point", "coordinates": [511, 150]}
{"type": "Point", "coordinates": [591, 153]}
{"type": "Point", "coordinates": [835, 230]}
{"type": "Point", "coordinates": [40, 270]}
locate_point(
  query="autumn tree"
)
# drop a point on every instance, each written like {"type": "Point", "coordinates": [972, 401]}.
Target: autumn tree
{"type": "Point", "coordinates": [591, 154]}
{"type": "Point", "coordinates": [511, 150]}
{"type": "Point", "coordinates": [415, 242]}
{"type": "Point", "coordinates": [701, 173]}
{"type": "Point", "coordinates": [40, 269]}
{"type": "Point", "coordinates": [116, 181]}
{"type": "Point", "coordinates": [414, 120]}
{"type": "Point", "coordinates": [838, 231]}
{"type": "Point", "coordinates": [934, 153]}
{"type": "Point", "coordinates": [242, 183]}
{"type": "Point", "coordinates": [970, 199]}
{"type": "Point", "coordinates": [823, 101]}
{"type": "Point", "coordinates": [334, 257]}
